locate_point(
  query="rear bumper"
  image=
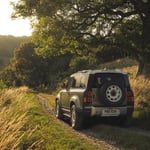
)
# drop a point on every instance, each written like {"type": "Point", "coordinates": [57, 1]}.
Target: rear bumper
{"type": "Point", "coordinates": [111, 111]}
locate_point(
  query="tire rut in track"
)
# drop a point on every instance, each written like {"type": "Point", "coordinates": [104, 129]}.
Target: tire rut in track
{"type": "Point", "coordinates": [85, 134]}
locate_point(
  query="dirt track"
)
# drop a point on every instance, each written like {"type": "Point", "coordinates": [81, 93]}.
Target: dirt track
{"type": "Point", "coordinates": [86, 134]}
{"type": "Point", "coordinates": [92, 134]}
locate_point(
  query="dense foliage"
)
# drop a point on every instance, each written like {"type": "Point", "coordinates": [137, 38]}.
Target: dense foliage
{"type": "Point", "coordinates": [27, 68]}
{"type": "Point", "coordinates": [88, 27]}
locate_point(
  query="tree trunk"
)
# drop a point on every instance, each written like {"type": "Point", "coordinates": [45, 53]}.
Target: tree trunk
{"type": "Point", "coordinates": [146, 70]}
{"type": "Point", "coordinates": [143, 69]}
{"type": "Point", "coordinates": [144, 63]}
{"type": "Point", "coordinates": [140, 68]}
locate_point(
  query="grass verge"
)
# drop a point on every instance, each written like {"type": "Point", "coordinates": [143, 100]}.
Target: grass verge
{"type": "Point", "coordinates": [25, 125]}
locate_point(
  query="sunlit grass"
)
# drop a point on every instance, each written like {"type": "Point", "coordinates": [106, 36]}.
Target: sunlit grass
{"type": "Point", "coordinates": [12, 119]}
{"type": "Point", "coordinates": [141, 88]}
{"type": "Point", "coordinates": [50, 98]}
{"type": "Point", "coordinates": [118, 64]}
{"type": "Point", "coordinates": [25, 125]}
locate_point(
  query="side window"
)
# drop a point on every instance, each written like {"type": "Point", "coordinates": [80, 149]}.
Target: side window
{"type": "Point", "coordinates": [71, 82]}
{"type": "Point", "coordinates": [78, 81]}
{"type": "Point", "coordinates": [75, 81]}
{"type": "Point", "coordinates": [83, 81]}
{"type": "Point", "coordinates": [77, 85]}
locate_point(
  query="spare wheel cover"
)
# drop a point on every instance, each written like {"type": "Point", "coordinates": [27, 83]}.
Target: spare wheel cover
{"type": "Point", "coordinates": [112, 93]}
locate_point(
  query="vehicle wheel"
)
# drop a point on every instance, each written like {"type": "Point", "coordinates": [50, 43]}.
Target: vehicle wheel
{"type": "Point", "coordinates": [76, 118]}
{"type": "Point", "coordinates": [59, 113]}
{"type": "Point", "coordinates": [112, 94]}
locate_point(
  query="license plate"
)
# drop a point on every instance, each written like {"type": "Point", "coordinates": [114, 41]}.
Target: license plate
{"type": "Point", "coordinates": [110, 112]}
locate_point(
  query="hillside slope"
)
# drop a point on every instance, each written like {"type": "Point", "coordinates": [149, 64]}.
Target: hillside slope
{"type": "Point", "coordinates": [7, 46]}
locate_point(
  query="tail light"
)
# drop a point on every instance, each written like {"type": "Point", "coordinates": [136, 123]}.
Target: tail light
{"type": "Point", "coordinates": [130, 97]}
{"type": "Point", "coordinates": [88, 97]}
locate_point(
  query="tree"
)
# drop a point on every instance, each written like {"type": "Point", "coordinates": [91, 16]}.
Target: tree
{"type": "Point", "coordinates": [25, 65]}
{"type": "Point", "coordinates": [29, 69]}
{"type": "Point", "coordinates": [96, 20]}
{"type": "Point", "coordinates": [8, 77]}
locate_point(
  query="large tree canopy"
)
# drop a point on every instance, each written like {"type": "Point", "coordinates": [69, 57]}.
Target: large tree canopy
{"type": "Point", "coordinates": [80, 24]}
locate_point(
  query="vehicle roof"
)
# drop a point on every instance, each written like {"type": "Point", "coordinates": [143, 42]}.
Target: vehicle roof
{"type": "Point", "coordinates": [100, 71]}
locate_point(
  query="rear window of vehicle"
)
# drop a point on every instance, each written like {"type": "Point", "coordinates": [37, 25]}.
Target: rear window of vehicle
{"type": "Point", "coordinates": [98, 80]}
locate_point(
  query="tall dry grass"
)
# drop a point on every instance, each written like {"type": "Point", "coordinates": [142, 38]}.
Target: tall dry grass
{"type": "Point", "coordinates": [140, 86]}
{"type": "Point", "coordinates": [13, 115]}
{"type": "Point", "coordinates": [24, 125]}
{"type": "Point", "coordinates": [141, 89]}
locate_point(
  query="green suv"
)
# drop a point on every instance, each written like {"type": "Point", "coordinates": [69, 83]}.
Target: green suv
{"type": "Point", "coordinates": [100, 93]}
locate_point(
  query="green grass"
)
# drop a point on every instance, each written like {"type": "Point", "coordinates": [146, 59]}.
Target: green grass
{"type": "Point", "coordinates": [25, 125]}
{"type": "Point", "coordinates": [124, 138]}
{"type": "Point", "coordinates": [50, 98]}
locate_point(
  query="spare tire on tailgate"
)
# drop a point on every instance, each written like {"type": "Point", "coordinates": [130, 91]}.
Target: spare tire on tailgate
{"type": "Point", "coordinates": [112, 94]}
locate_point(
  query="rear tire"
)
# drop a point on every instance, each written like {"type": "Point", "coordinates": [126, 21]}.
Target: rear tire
{"type": "Point", "coordinates": [59, 113]}
{"type": "Point", "coordinates": [76, 118]}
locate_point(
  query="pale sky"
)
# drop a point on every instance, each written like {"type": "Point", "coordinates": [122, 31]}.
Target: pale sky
{"type": "Point", "coordinates": [17, 27]}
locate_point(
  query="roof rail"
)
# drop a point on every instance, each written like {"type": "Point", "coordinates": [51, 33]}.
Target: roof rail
{"type": "Point", "coordinates": [84, 71]}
